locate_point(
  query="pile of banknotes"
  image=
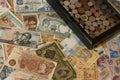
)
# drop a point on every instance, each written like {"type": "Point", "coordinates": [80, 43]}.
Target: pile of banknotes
{"type": "Point", "coordinates": [36, 44]}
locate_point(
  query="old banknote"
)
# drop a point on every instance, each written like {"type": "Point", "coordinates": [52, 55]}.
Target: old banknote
{"type": "Point", "coordinates": [8, 19]}
{"type": "Point", "coordinates": [19, 37]}
{"type": "Point", "coordinates": [30, 22]}
{"type": "Point", "coordinates": [86, 73]}
{"type": "Point", "coordinates": [31, 6]}
{"type": "Point", "coordinates": [101, 62]}
{"type": "Point", "coordinates": [28, 62]}
{"type": "Point", "coordinates": [52, 51]}
{"type": "Point", "coordinates": [4, 5]}
{"type": "Point", "coordinates": [5, 73]}
{"type": "Point", "coordinates": [54, 26]}
{"type": "Point", "coordinates": [2, 57]}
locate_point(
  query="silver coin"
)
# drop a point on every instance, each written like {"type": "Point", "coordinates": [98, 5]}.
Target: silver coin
{"type": "Point", "coordinates": [78, 4]}
{"type": "Point", "coordinates": [72, 6]}
{"type": "Point", "coordinates": [88, 23]}
{"type": "Point", "coordinates": [95, 24]}
{"type": "Point", "coordinates": [92, 18]}
{"type": "Point", "coordinates": [92, 28]}
{"type": "Point", "coordinates": [74, 11]}
{"type": "Point", "coordinates": [90, 4]}
{"type": "Point", "coordinates": [106, 23]}
{"type": "Point", "coordinates": [88, 13]}
{"type": "Point", "coordinates": [99, 22]}
{"type": "Point", "coordinates": [73, 1]}
{"type": "Point", "coordinates": [67, 3]}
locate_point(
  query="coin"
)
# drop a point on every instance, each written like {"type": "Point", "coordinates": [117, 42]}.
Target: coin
{"type": "Point", "coordinates": [77, 15]}
{"type": "Point", "coordinates": [88, 23]}
{"type": "Point", "coordinates": [97, 14]}
{"type": "Point", "coordinates": [74, 11]}
{"type": "Point", "coordinates": [92, 28]}
{"type": "Point", "coordinates": [106, 23]}
{"type": "Point", "coordinates": [95, 24]}
{"type": "Point", "coordinates": [67, 3]}
{"type": "Point", "coordinates": [81, 10]}
{"type": "Point", "coordinates": [88, 13]}
{"type": "Point", "coordinates": [90, 4]}
{"type": "Point", "coordinates": [72, 6]}
{"type": "Point", "coordinates": [84, 17]}
{"type": "Point", "coordinates": [78, 4]}
{"type": "Point", "coordinates": [91, 18]}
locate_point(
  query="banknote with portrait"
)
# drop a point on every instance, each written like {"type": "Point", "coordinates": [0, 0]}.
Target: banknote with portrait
{"type": "Point", "coordinates": [54, 26]}
{"type": "Point", "coordinates": [4, 5]}
{"type": "Point", "coordinates": [8, 19]}
{"type": "Point", "coordinates": [19, 37]}
{"type": "Point", "coordinates": [28, 62]}
{"type": "Point", "coordinates": [30, 22]}
{"type": "Point", "coordinates": [52, 51]}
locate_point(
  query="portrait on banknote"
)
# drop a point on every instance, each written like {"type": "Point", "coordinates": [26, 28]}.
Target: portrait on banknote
{"type": "Point", "coordinates": [30, 22]}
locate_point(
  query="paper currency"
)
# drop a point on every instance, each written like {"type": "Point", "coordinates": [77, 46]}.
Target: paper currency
{"type": "Point", "coordinates": [30, 22]}
{"type": "Point", "coordinates": [20, 37]}
{"type": "Point", "coordinates": [2, 57]}
{"type": "Point", "coordinates": [101, 62]}
{"type": "Point", "coordinates": [5, 73]}
{"type": "Point", "coordinates": [4, 5]}
{"type": "Point", "coordinates": [28, 62]}
{"type": "Point", "coordinates": [52, 51]}
{"type": "Point", "coordinates": [54, 26]}
{"type": "Point", "coordinates": [86, 73]}
{"type": "Point", "coordinates": [31, 6]}
{"type": "Point", "coordinates": [8, 19]}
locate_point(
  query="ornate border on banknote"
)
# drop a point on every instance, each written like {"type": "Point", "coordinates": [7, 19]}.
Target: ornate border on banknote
{"type": "Point", "coordinates": [78, 30]}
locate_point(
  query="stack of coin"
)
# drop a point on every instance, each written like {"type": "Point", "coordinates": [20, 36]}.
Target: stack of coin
{"type": "Point", "coordinates": [96, 16]}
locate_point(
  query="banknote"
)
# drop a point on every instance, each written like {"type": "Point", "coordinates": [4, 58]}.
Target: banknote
{"type": "Point", "coordinates": [54, 26]}
{"type": "Point", "coordinates": [84, 73]}
{"type": "Point", "coordinates": [5, 73]}
{"type": "Point", "coordinates": [113, 47]}
{"type": "Point", "coordinates": [4, 5]}
{"type": "Point", "coordinates": [31, 6]}
{"type": "Point", "coordinates": [101, 62]}
{"type": "Point", "coordinates": [86, 56]}
{"type": "Point", "coordinates": [19, 37]}
{"type": "Point", "coordinates": [8, 19]}
{"type": "Point", "coordinates": [46, 37]}
{"type": "Point", "coordinates": [46, 7]}
{"type": "Point", "coordinates": [103, 74]}
{"type": "Point", "coordinates": [28, 62]}
{"type": "Point", "coordinates": [2, 56]}
{"type": "Point", "coordinates": [117, 65]}
{"type": "Point", "coordinates": [110, 67]}
{"type": "Point", "coordinates": [52, 51]}
{"type": "Point", "coordinates": [116, 77]}
{"type": "Point", "coordinates": [30, 22]}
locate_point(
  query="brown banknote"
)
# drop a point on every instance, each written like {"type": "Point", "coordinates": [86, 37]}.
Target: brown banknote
{"type": "Point", "coordinates": [52, 51]}
{"type": "Point", "coordinates": [27, 62]}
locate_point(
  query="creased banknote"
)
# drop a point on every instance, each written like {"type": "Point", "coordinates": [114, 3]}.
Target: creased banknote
{"type": "Point", "coordinates": [28, 62]}
{"type": "Point", "coordinates": [19, 37]}
{"type": "Point", "coordinates": [54, 26]}
{"type": "Point", "coordinates": [52, 51]}
{"type": "Point", "coordinates": [8, 19]}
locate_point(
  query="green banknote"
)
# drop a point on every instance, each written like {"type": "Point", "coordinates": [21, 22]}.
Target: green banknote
{"type": "Point", "coordinates": [52, 51]}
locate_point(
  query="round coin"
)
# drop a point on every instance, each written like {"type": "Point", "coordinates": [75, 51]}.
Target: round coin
{"type": "Point", "coordinates": [88, 13]}
{"type": "Point", "coordinates": [66, 3]}
{"type": "Point", "coordinates": [91, 18]}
